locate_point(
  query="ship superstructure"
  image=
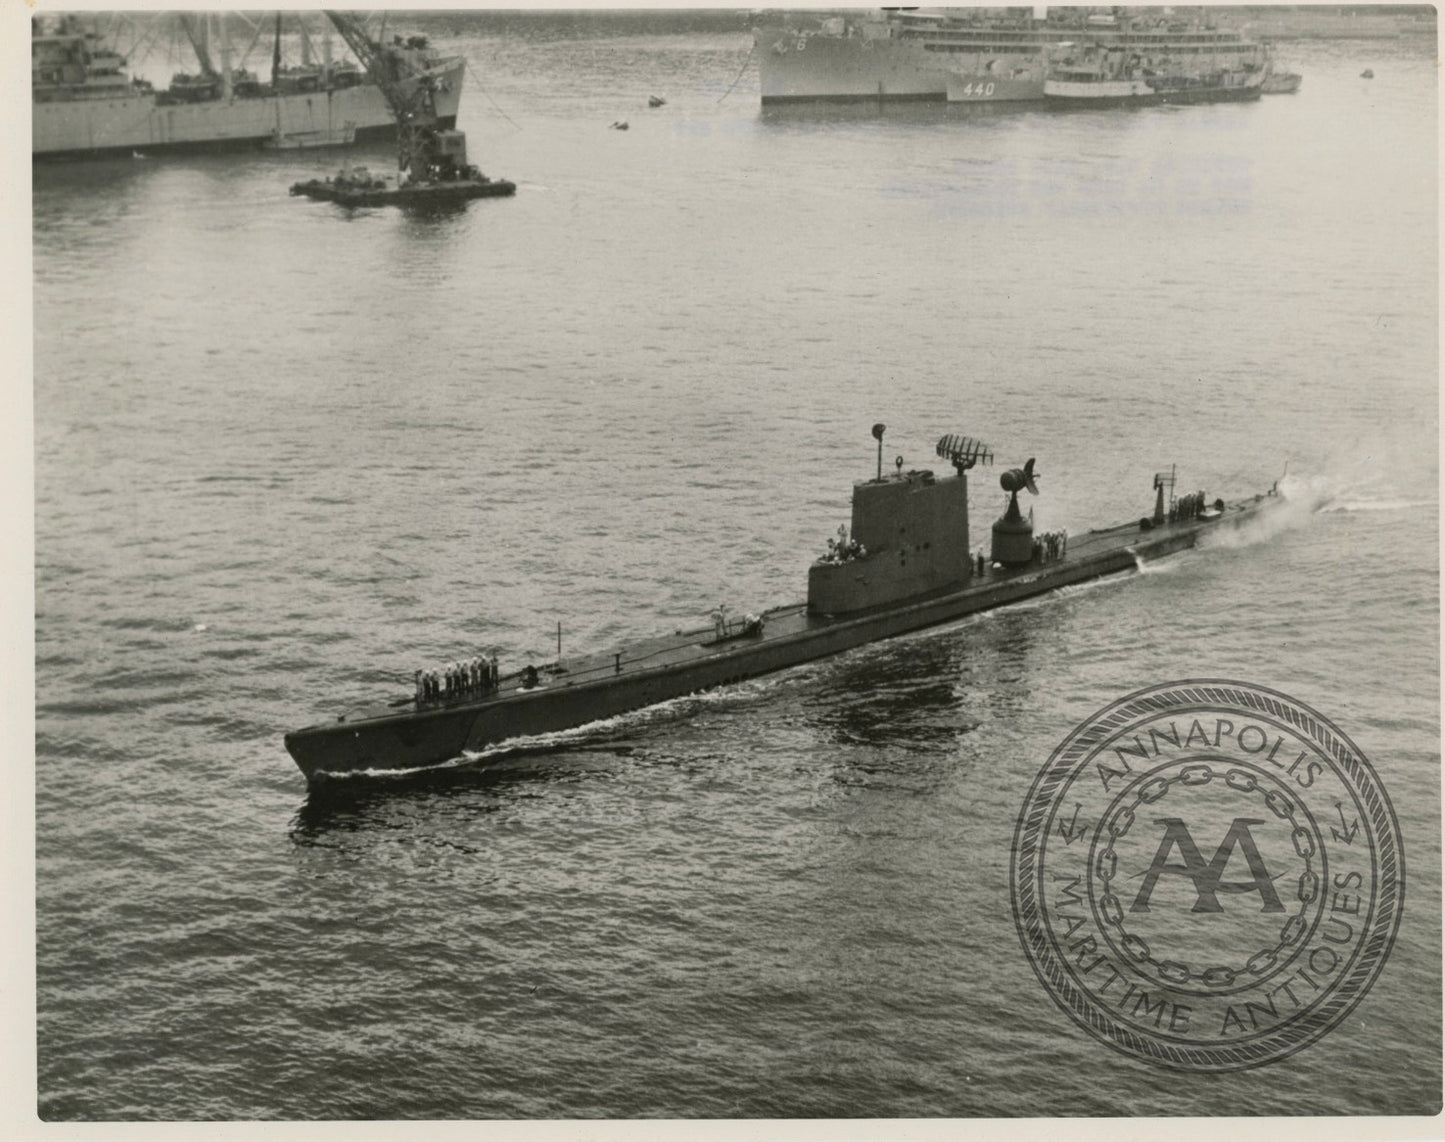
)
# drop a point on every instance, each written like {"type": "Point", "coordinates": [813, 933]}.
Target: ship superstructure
{"type": "Point", "coordinates": [85, 104]}
{"type": "Point", "coordinates": [70, 60]}
{"type": "Point", "coordinates": [978, 55]}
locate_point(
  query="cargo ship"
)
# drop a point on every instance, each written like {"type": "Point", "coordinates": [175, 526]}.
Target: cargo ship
{"type": "Point", "coordinates": [905, 563]}
{"type": "Point", "coordinates": [85, 104]}
{"type": "Point", "coordinates": [971, 55]}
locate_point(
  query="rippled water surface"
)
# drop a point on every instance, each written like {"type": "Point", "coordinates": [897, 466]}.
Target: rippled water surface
{"type": "Point", "coordinates": [285, 454]}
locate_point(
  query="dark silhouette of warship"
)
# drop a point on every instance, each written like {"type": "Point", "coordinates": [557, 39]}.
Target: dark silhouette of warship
{"type": "Point", "coordinates": [906, 563]}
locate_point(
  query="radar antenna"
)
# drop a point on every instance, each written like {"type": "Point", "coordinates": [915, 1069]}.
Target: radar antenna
{"type": "Point", "coordinates": [963, 452]}
{"type": "Point", "coordinates": [878, 431]}
{"type": "Point", "coordinates": [1013, 536]}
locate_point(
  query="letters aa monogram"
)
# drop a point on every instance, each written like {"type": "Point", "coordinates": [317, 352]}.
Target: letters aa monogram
{"type": "Point", "coordinates": [1206, 877]}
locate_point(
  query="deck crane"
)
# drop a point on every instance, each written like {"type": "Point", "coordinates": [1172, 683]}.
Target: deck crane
{"type": "Point", "coordinates": [426, 151]}
{"type": "Point", "coordinates": [199, 35]}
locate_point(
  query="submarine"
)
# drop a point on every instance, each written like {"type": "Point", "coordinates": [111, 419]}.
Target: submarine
{"type": "Point", "coordinates": [905, 563]}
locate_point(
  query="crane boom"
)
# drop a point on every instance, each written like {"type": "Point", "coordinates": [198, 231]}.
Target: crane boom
{"type": "Point", "coordinates": [431, 156]}
{"type": "Point", "coordinates": [389, 70]}
{"type": "Point", "coordinates": [196, 32]}
{"type": "Point", "coordinates": [410, 91]}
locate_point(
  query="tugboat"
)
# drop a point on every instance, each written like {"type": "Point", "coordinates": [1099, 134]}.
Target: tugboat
{"type": "Point", "coordinates": [906, 563]}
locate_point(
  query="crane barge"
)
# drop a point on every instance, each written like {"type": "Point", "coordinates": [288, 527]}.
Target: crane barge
{"type": "Point", "coordinates": [432, 165]}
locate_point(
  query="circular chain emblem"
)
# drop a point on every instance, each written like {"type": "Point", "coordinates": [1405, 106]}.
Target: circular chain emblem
{"type": "Point", "coordinates": [1207, 875]}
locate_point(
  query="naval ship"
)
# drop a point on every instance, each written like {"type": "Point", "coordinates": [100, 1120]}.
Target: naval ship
{"type": "Point", "coordinates": [906, 563]}
{"type": "Point", "coordinates": [962, 55]}
{"type": "Point", "coordinates": [85, 104]}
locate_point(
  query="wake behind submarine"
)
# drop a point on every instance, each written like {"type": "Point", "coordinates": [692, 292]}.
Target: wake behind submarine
{"type": "Point", "coordinates": [905, 562]}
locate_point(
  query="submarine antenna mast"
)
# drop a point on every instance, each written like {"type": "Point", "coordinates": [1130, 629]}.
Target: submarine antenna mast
{"type": "Point", "coordinates": [1013, 536]}
{"type": "Point", "coordinates": [1163, 486]}
{"type": "Point", "coordinates": [963, 452]}
{"type": "Point", "coordinates": [878, 431]}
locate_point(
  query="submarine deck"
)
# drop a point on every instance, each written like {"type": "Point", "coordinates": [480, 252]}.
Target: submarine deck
{"type": "Point", "coordinates": [1090, 555]}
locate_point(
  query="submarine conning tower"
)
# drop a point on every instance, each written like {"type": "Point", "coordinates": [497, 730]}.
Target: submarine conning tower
{"type": "Point", "coordinates": [1013, 535]}
{"type": "Point", "coordinates": [909, 534]}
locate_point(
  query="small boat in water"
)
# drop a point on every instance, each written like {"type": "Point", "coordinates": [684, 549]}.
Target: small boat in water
{"type": "Point", "coordinates": [1282, 83]}
{"type": "Point", "coordinates": [1098, 84]}
{"type": "Point", "coordinates": [906, 563]}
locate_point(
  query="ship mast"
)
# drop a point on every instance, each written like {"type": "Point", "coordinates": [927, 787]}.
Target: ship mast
{"type": "Point", "coordinates": [225, 57]}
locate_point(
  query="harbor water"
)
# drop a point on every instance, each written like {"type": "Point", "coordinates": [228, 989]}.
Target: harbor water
{"type": "Point", "coordinates": [287, 454]}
